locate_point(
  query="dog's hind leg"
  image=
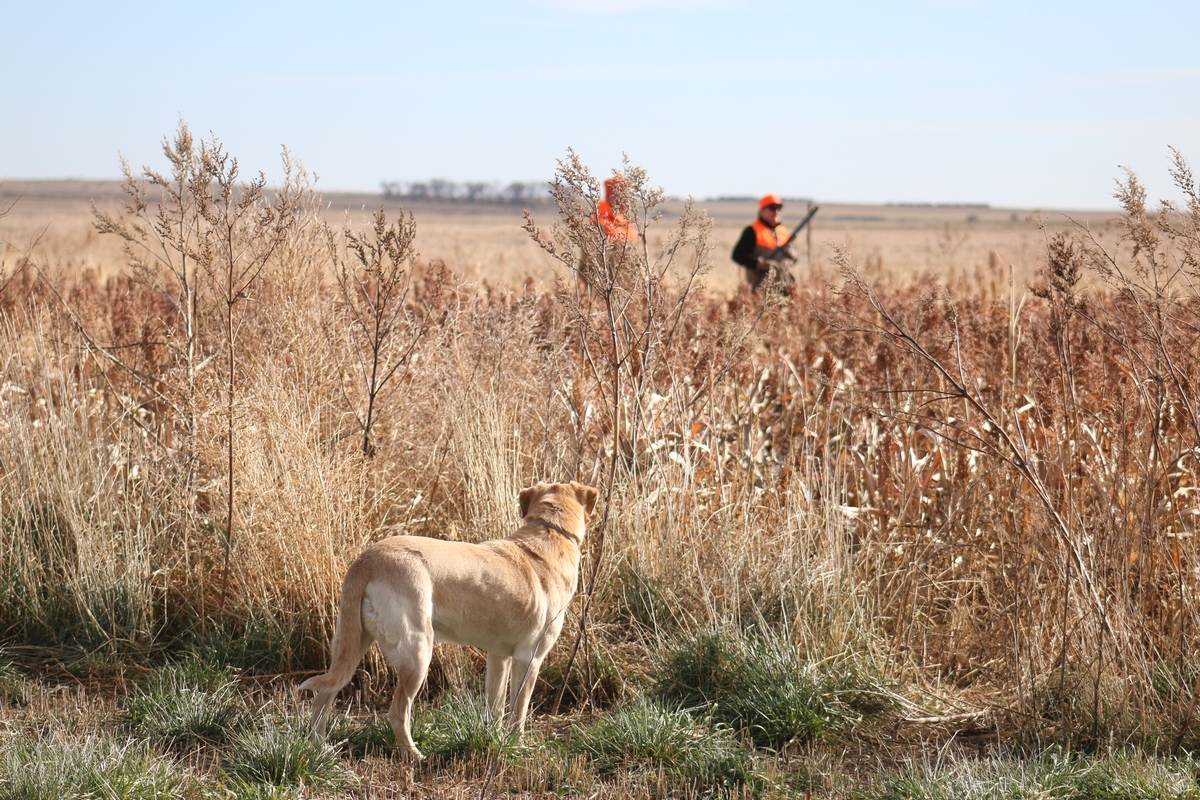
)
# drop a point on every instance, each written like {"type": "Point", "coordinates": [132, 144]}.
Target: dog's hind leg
{"type": "Point", "coordinates": [497, 684]}
{"type": "Point", "coordinates": [410, 656]}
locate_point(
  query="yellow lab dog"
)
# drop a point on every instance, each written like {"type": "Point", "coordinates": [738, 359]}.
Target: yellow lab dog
{"type": "Point", "coordinates": [506, 596]}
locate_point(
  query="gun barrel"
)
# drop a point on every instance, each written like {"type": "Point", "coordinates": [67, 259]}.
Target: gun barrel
{"type": "Point", "coordinates": [804, 222]}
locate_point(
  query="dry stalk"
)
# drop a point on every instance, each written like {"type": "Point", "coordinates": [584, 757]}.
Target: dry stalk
{"type": "Point", "coordinates": [383, 325]}
{"type": "Point", "coordinates": [625, 317]}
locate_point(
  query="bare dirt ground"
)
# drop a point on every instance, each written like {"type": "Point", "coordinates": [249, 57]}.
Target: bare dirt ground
{"type": "Point", "coordinates": [487, 243]}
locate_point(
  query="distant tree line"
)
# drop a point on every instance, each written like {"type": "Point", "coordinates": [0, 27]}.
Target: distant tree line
{"type": "Point", "coordinates": [439, 189]}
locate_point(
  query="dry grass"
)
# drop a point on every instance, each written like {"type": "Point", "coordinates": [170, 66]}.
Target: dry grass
{"type": "Point", "coordinates": [981, 496]}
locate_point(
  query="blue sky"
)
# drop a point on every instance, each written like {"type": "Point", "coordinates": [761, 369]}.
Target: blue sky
{"type": "Point", "coordinates": [1011, 103]}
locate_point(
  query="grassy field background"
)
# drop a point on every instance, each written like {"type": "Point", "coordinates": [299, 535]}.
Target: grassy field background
{"type": "Point", "coordinates": [485, 241]}
{"type": "Point", "coordinates": [921, 525]}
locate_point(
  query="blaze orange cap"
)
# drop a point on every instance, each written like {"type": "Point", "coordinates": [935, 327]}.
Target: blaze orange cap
{"type": "Point", "coordinates": [769, 200]}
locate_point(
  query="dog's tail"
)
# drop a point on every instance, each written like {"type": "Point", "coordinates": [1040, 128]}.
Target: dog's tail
{"type": "Point", "coordinates": [348, 645]}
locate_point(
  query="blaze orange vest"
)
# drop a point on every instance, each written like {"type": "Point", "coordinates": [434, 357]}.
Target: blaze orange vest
{"type": "Point", "coordinates": [768, 238]}
{"type": "Point", "coordinates": [615, 225]}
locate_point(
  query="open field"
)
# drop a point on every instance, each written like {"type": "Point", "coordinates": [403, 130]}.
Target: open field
{"type": "Point", "coordinates": [486, 242]}
{"type": "Point", "coordinates": [905, 529]}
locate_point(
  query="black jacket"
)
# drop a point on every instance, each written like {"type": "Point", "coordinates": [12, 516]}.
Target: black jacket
{"type": "Point", "coordinates": [744, 251]}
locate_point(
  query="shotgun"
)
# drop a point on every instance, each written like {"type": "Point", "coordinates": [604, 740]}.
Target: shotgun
{"type": "Point", "coordinates": [779, 253]}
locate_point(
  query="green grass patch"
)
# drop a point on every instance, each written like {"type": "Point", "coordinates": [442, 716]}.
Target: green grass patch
{"type": "Point", "coordinates": [359, 738]}
{"type": "Point", "coordinates": [1128, 776]}
{"type": "Point", "coordinates": [460, 728]}
{"type": "Point", "coordinates": [88, 768]}
{"type": "Point", "coordinates": [14, 687]}
{"type": "Point", "coordinates": [764, 686]}
{"type": "Point", "coordinates": [645, 601]}
{"type": "Point", "coordinates": [208, 674]}
{"type": "Point", "coordinates": [282, 755]}
{"type": "Point", "coordinates": [254, 646]}
{"type": "Point", "coordinates": [176, 710]}
{"type": "Point", "coordinates": [255, 791]}
{"type": "Point", "coordinates": [648, 743]}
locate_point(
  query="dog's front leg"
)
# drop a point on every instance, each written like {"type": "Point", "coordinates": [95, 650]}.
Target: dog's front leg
{"type": "Point", "coordinates": [523, 679]}
{"type": "Point", "coordinates": [497, 682]}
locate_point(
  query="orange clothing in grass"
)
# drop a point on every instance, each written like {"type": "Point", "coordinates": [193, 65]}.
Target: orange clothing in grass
{"type": "Point", "coordinates": [615, 225]}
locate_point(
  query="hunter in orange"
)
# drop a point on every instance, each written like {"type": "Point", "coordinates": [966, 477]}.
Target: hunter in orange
{"type": "Point", "coordinates": [615, 225]}
{"type": "Point", "coordinates": [763, 246]}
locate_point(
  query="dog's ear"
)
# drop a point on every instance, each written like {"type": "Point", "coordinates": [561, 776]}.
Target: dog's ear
{"type": "Point", "coordinates": [526, 499]}
{"type": "Point", "coordinates": [586, 496]}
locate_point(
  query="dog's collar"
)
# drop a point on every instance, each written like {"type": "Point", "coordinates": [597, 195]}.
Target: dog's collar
{"type": "Point", "coordinates": [561, 531]}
